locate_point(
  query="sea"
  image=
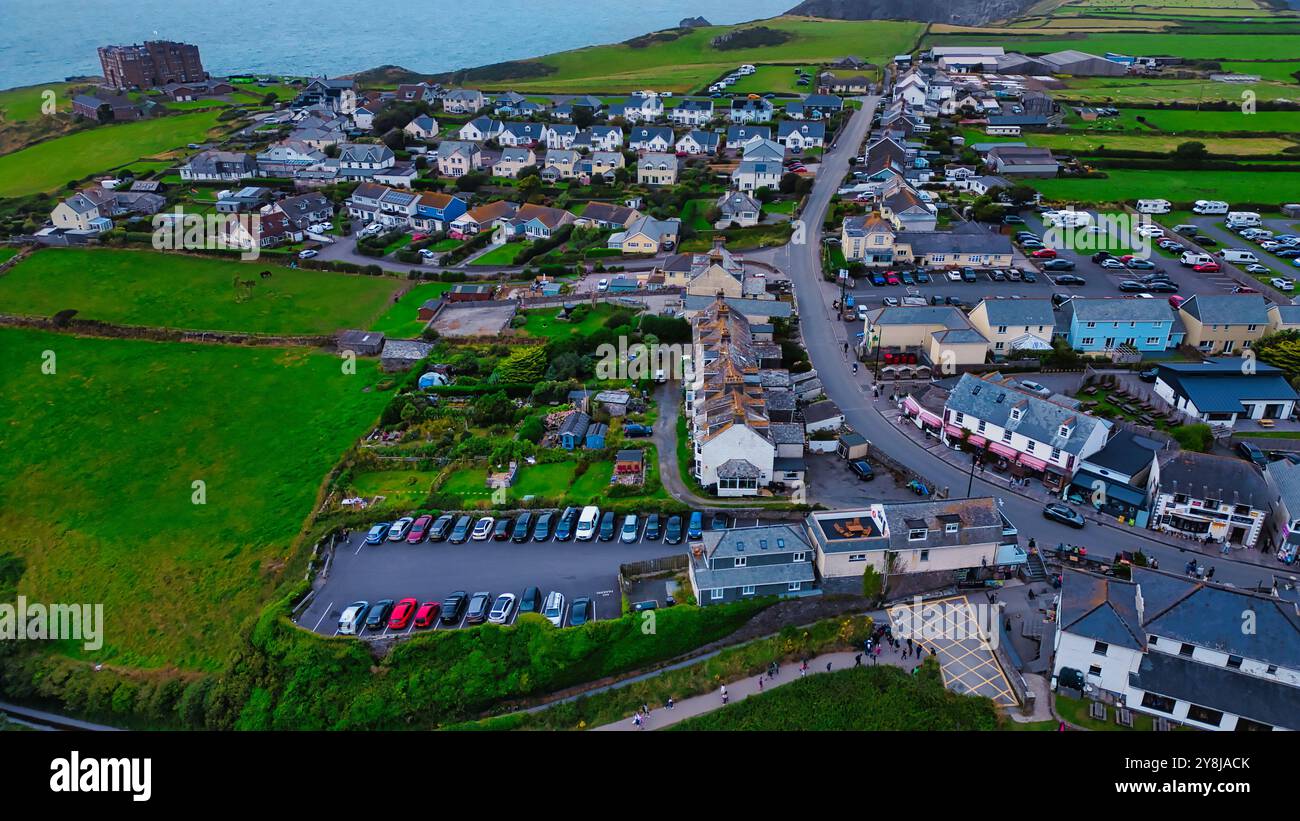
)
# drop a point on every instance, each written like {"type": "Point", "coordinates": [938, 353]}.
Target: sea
{"type": "Point", "coordinates": [44, 41]}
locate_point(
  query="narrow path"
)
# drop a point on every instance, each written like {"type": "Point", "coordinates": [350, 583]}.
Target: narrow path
{"type": "Point", "coordinates": [661, 717]}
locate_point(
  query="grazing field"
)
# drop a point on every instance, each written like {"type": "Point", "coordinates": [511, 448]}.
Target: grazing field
{"type": "Point", "coordinates": [1174, 121]}
{"type": "Point", "coordinates": [402, 321]}
{"type": "Point", "coordinates": [48, 165]}
{"type": "Point", "coordinates": [1123, 184]}
{"type": "Point", "coordinates": [777, 79]}
{"type": "Point", "coordinates": [180, 291]}
{"type": "Point", "coordinates": [1144, 92]}
{"type": "Point", "coordinates": [20, 105]}
{"type": "Point", "coordinates": [1151, 141]}
{"type": "Point", "coordinates": [689, 61]}
{"type": "Point", "coordinates": [1192, 46]}
{"type": "Point", "coordinates": [860, 698]}
{"type": "Point", "coordinates": [97, 469]}
{"type": "Point", "coordinates": [1278, 72]}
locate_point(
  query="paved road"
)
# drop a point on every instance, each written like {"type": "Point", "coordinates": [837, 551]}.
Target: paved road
{"type": "Point", "coordinates": [824, 336]}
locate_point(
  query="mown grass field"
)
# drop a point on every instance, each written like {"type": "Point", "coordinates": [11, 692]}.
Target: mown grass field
{"type": "Point", "coordinates": [20, 105]}
{"type": "Point", "coordinates": [1136, 91]}
{"type": "Point", "coordinates": [97, 465]}
{"type": "Point", "coordinates": [690, 61]}
{"type": "Point", "coordinates": [402, 321]}
{"type": "Point", "coordinates": [1193, 46]}
{"type": "Point", "coordinates": [778, 79]}
{"type": "Point", "coordinates": [1123, 184]}
{"type": "Point", "coordinates": [541, 322]}
{"type": "Point", "coordinates": [1152, 141]}
{"type": "Point", "coordinates": [500, 255]}
{"type": "Point", "coordinates": [49, 165]}
{"type": "Point", "coordinates": [179, 291]}
{"type": "Point", "coordinates": [1176, 121]}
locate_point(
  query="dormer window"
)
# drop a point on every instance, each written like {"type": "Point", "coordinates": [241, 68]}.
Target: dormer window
{"type": "Point", "coordinates": [917, 534]}
{"type": "Point", "coordinates": [1015, 414]}
{"type": "Point", "coordinates": [1065, 431]}
{"type": "Point", "coordinates": [951, 528]}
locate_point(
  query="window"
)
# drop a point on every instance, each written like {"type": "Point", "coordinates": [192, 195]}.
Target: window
{"type": "Point", "coordinates": [740, 561]}
{"type": "Point", "coordinates": [1155, 702]}
{"type": "Point", "coordinates": [747, 590]}
{"type": "Point", "coordinates": [793, 586]}
{"type": "Point", "coordinates": [1186, 650]}
{"type": "Point", "coordinates": [1089, 340]}
{"type": "Point", "coordinates": [1002, 329]}
{"type": "Point", "coordinates": [1153, 340]}
{"type": "Point", "coordinates": [1153, 640]}
{"type": "Point", "coordinates": [716, 593]}
{"type": "Point", "coordinates": [1015, 414]}
{"type": "Point", "coordinates": [797, 557]}
{"type": "Point", "coordinates": [1205, 715]}
{"type": "Point", "coordinates": [917, 534]}
{"type": "Point", "coordinates": [1251, 327]}
{"type": "Point", "coordinates": [925, 555]}
{"type": "Point", "coordinates": [1091, 325]}
{"type": "Point", "coordinates": [1234, 662]}
{"type": "Point", "coordinates": [1094, 670]}
{"type": "Point", "coordinates": [951, 527]}
{"type": "Point", "coordinates": [1064, 431]}
{"type": "Point", "coordinates": [983, 425]}
{"type": "Point", "coordinates": [1056, 454]}
{"type": "Point", "coordinates": [958, 417]}
{"type": "Point", "coordinates": [1006, 436]}
{"type": "Point", "coordinates": [857, 557]}
{"type": "Point", "coordinates": [1099, 648]}
{"type": "Point", "coordinates": [1029, 447]}
{"type": "Point", "coordinates": [1272, 670]}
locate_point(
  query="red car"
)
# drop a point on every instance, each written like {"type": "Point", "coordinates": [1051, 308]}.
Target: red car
{"type": "Point", "coordinates": [402, 614]}
{"type": "Point", "coordinates": [1044, 253]}
{"type": "Point", "coordinates": [892, 278]}
{"type": "Point", "coordinates": [1206, 268]}
{"type": "Point", "coordinates": [419, 529]}
{"type": "Point", "coordinates": [1176, 300]}
{"type": "Point", "coordinates": [427, 614]}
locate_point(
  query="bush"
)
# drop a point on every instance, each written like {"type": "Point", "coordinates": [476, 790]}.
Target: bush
{"type": "Point", "coordinates": [1197, 437]}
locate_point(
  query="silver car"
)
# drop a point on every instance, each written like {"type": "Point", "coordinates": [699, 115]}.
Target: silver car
{"type": "Point", "coordinates": [501, 610]}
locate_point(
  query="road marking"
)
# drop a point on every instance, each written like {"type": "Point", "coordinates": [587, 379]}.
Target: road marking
{"type": "Point", "coordinates": [322, 616]}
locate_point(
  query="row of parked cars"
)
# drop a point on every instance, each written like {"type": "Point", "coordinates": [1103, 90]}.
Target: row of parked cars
{"type": "Point", "coordinates": [473, 608]}
{"type": "Point", "coordinates": [583, 524]}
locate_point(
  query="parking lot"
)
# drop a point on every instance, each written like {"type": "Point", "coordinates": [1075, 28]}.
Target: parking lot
{"type": "Point", "coordinates": [966, 660]}
{"type": "Point", "coordinates": [430, 571]}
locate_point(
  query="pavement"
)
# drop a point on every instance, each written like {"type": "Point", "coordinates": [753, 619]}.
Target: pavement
{"type": "Point", "coordinates": [824, 337]}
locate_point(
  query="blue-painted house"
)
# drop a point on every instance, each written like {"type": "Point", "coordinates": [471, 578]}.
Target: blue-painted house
{"type": "Point", "coordinates": [434, 211]}
{"type": "Point", "coordinates": [596, 436]}
{"type": "Point", "coordinates": [573, 430]}
{"type": "Point", "coordinates": [1102, 325]}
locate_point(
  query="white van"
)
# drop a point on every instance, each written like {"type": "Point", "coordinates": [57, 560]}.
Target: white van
{"type": "Point", "coordinates": [1239, 255]}
{"type": "Point", "coordinates": [1190, 258]}
{"type": "Point", "coordinates": [1210, 207]}
{"type": "Point", "coordinates": [1154, 206]}
{"type": "Point", "coordinates": [1243, 219]}
{"type": "Point", "coordinates": [587, 522]}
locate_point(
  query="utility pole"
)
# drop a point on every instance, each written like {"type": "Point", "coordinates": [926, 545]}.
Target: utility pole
{"type": "Point", "coordinates": [971, 483]}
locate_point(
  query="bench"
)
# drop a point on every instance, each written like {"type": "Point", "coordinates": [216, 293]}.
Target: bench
{"type": "Point", "coordinates": [1097, 710]}
{"type": "Point", "coordinates": [1267, 423]}
{"type": "Point", "coordinates": [1124, 717]}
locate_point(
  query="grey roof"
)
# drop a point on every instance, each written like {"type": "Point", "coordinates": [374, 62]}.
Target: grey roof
{"type": "Point", "coordinates": [1227, 309]}
{"type": "Point", "coordinates": [821, 411]}
{"type": "Point", "coordinates": [854, 531]}
{"type": "Point", "coordinates": [1208, 615]}
{"type": "Point", "coordinates": [808, 129]}
{"type": "Point", "coordinates": [789, 463]}
{"type": "Point", "coordinates": [1286, 477]}
{"type": "Point", "coordinates": [403, 349]}
{"type": "Point", "coordinates": [648, 133]}
{"type": "Point", "coordinates": [575, 423]}
{"type": "Point", "coordinates": [1019, 312]}
{"type": "Point", "coordinates": [1121, 309]}
{"type": "Point", "coordinates": [739, 469]}
{"type": "Point", "coordinates": [1218, 688]}
{"type": "Point", "coordinates": [756, 574]}
{"type": "Point", "coordinates": [1101, 609]}
{"type": "Point", "coordinates": [1040, 419]}
{"type": "Point", "coordinates": [1220, 385]}
{"type": "Point", "coordinates": [785, 433]}
{"type": "Point", "coordinates": [945, 315]}
{"type": "Point", "coordinates": [1126, 452]}
{"type": "Point", "coordinates": [964, 241]}
{"type": "Point", "coordinates": [748, 307]}
{"type": "Point", "coordinates": [960, 336]}
{"type": "Point", "coordinates": [740, 133]}
{"type": "Point", "coordinates": [1207, 476]}
{"type": "Point", "coordinates": [761, 539]}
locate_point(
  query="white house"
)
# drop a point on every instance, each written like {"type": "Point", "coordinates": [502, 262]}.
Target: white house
{"type": "Point", "coordinates": [480, 129]}
{"type": "Point", "coordinates": [751, 175]}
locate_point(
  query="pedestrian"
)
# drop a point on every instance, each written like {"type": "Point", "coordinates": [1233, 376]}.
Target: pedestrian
{"type": "Point", "coordinates": [909, 642]}
{"type": "Point", "coordinates": [645, 708]}
{"type": "Point", "coordinates": [760, 684]}
{"type": "Point", "coordinates": [803, 668]}
{"type": "Point", "coordinates": [857, 660]}
{"type": "Point", "coordinates": [1155, 563]}
{"type": "Point", "coordinates": [724, 694]}
{"type": "Point", "coordinates": [636, 720]}
{"type": "Point", "coordinates": [828, 666]}
{"type": "Point", "coordinates": [669, 703]}
{"type": "Point", "coordinates": [875, 658]}
{"type": "Point", "coordinates": [1210, 574]}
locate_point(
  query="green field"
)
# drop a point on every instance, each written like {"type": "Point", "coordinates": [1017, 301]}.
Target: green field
{"type": "Point", "coordinates": [778, 79]}
{"type": "Point", "coordinates": [19, 105]}
{"type": "Point", "coordinates": [97, 469]}
{"type": "Point", "coordinates": [1175, 121]}
{"type": "Point", "coordinates": [501, 255]}
{"type": "Point", "coordinates": [1179, 186]}
{"type": "Point", "coordinates": [1277, 72]}
{"type": "Point", "coordinates": [402, 321]}
{"type": "Point", "coordinates": [1193, 46]}
{"type": "Point", "coordinates": [49, 165]}
{"type": "Point", "coordinates": [407, 487]}
{"type": "Point", "coordinates": [1144, 92]}
{"type": "Point", "coordinates": [541, 322]}
{"type": "Point", "coordinates": [878, 698]}
{"type": "Point", "coordinates": [7, 252]}
{"type": "Point", "coordinates": [690, 61]}
{"type": "Point", "coordinates": [180, 291]}
{"type": "Point", "coordinates": [1088, 141]}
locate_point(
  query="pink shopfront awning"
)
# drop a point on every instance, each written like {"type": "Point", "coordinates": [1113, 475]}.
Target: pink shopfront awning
{"type": "Point", "coordinates": [1032, 463]}
{"type": "Point", "coordinates": [1004, 451]}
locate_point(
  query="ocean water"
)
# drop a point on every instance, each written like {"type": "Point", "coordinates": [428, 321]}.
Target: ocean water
{"type": "Point", "coordinates": [41, 41]}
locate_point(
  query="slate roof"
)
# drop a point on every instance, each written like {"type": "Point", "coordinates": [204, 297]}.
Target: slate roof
{"type": "Point", "coordinates": [1126, 452]}
{"type": "Point", "coordinates": [405, 350]}
{"type": "Point", "coordinates": [739, 469]}
{"type": "Point", "coordinates": [1019, 312]}
{"type": "Point", "coordinates": [807, 129]}
{"type": "Point", "coordinates": [1101, 609]}
{"type": "Point", "coordinates": [853, 531]}
{"type": "Point", "coordinates": [756, 307]}
{"type": "Point", "coordinates": [1220, 385]}
{"type": "Point", "coordinates": [1207, 476]}
{"type": "Point", "coordinates": [1218, 688]}
{"type": "Point", "coordinates": [740, 133]}
{"type": "Point", "coordinates": [785, 433]}
{"type": "Point", "coordinates": [821, 411]}
{"type": "Point", "coordinates": [575, 423]}
{"type": "Point", "coordinates": [1286, 477]}
{"type": "Point", "coordinates": [973, 241]}
{"type": "Point", "coordinates": [1040, 419]}
{"type": "Point", "coordinates": [1121, 309]}
{"type": "Point", "coordinates": [1227, 309]}
{"type": "Point", "coordinates": [747, 541]}
{"type": "Point", "coordinates": [945, 315]}
{"type": "Point", "coordinates": [1288, 314]}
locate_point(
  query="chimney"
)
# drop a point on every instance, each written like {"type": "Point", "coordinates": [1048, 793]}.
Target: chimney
{"type": "Point", "coordinates": [716, 252]}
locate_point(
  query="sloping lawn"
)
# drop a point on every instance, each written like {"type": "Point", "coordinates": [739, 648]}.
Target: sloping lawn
{"type": "Point", "coordinates": [182, 291]}
{"type": "Point", "coordinates": [501, 255]}
{"type": "Point", "coordinates": [51, 164]}
{"type": "Point", "coordinates": [98, 465]}
{"type": "Point", "coordinates": [542, 322]}
{"type": "Point", "coordinates": [409, 487]}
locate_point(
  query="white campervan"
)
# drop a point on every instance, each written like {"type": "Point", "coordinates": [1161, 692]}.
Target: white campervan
{"type": "Point", "coordinates": [1239, 255]}
{"type": "Point", "coordinates": [1243, 219]}
{"type": "Point", "coordinates": [1154, 206]}
{"type": "Point", "coordinates": [1190, 258]}
{"type": "Point", "coordinates": [1210, 207]}
{"type": "Point", "coordinates": [587, 523]}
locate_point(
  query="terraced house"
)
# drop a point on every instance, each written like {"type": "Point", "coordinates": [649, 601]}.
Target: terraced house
{"type": "Point", "coordinates": [1224, 323]}
{"type": "Point", "coordinates": [1039, 437]}
{"type": "Point", "coordinates": [767, 560]}
{"type": "Point", "coordinates": [1115, 325]}
{"type": "Point", "coordinates": [456, 158]}
{"type": "Point", "coordinates": [1015, 324]}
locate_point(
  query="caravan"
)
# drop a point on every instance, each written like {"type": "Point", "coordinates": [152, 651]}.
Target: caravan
{"type": "Point", "coordinates": [1190, 258]}
{"type": "Point", "coordinates": [1239, 255]}
{"type": "Point", "coordinates": [1243, 219]}
{"type": "Point", "coordinates": [1154, 206]}
{"type": "Point", "coordinates": [1210, 207]}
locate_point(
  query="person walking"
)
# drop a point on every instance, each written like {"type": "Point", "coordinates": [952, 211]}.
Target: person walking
{"type": "Point", "coordinates": [645, 708]}
{"type": "Point", "coordinates": [669, 703]}
{"type": "Point", "coordinates": [1210, 573]}
{"type": "Point", "coordinates": [760, 684]}
{"type": "Point", "coordinates": [724, 694]}
{"type": "Point", "coordinates": [857, 660]}
{"type": "Point", "coordinates": [909, 643]}
{"type": "Point", "coordinates": [636, 720]}
{"type": "Point", "coordinates": [828, 666]}
{"type": "Point", "coordinates": [803, 668]}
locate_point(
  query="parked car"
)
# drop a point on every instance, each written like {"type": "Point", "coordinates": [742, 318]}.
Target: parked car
{"type": "Point", "coordinates": [581, 613]}
{"type": "Point", "coordinates": [427, 613]}
{"type": "Point", "coordinates": [1028, 275]}
{"type": "Point", "coordinates": [308, 253]}
{"type": "Point", "coordinates": [402, 614]}
{"type": "Point", "coordinates": [1044, 253]}
{"type": "Point", "coordinates": [1282, 284]}
{"type": "Point", "coordinates": [553, 608]}
{"type": "Point", "coordinates": [1206, 268]}
{"type": "Point", "coordinates": [400, 529]}
{"type": "Point", "coordinates": [696, 528]}
{"type": "Point", "coordinates": [607, 527]}
{"type": "Point", "coordinates": [998, 275]}
{"type": "Point", "coordinates": [1149, 375]}
{"type": "Point", "coordinates": [1130, 285]}
{"type": "Point", "coordinates": [460, 533]}
{"type": "Point", "coordinates": [1162, 286]}
{"type": "Point", "coordinates": [1101, 256]}
{"type": "Point", "coordinates": [564, 530]}
{"type": "Point", "coordinates": [377, 618]}
{"type": "Point", "coordinates": [531, 601]}
{"type": "Point", "coordinates": [968, 275]}
{"type": "Point", "coordinates": [1063, 513]}
{"type": "Point", "coordinates": [542, 530]}
{"type": "Point", "coordinates": [1139, 264]}
{"type": "Point", "coordinates": [1253, 453]}
{"type": "Point", "coordinates": [863, 470]}
{"type": "Point", "coordinates": [479, 604]}
{"type": "Point", "coordinates": [522, 525]}
{"type": "Point", "coordinates": [1058, 265]}
{"type": "Point", "coordinates": [441, 527]}
{"type": "Point", "coordinates": [1012, 219]}
{"type": "Point", "coordinates": [453, 607]}
{"type": "Point", "coordinates": [634, 431]}
{"type": "Point", "coordinates": [1112, 264]}
{"type": "Point", "coordinates": [673, 530]}
{"type": "Point", "coordinates": [505, 605]}
{"type": "Point", "coordinates": [1071, 279]}
{"type": "Point", "coordinates": [652, 528]}
{"type": "Point", "coordinates": [419, 529]}
{"type": "Point", "coordinates": [630, 529]}
{"type": "Point", "coordinates": [482, 529]}
{"type": "Point", "coordinates": [501, 530]}
{"type": "Point", "coordinates": [922, 277]}
{"type": "Point", "coordinates": [353, 618]}
{"type": "Point", "coordinates": [378, 533]}
{"type": "Point", "coordinates": [1036, 388]}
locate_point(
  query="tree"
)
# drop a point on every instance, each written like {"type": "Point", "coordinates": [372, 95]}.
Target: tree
{"type": "Point", "coordinates": [564, 366]}
{"type": "Point", "coordinates": [492, 408]}
{"type": "Point", "coordinates": [524, 367]}
{"type": "Point", "coordinates": [1190, 155]}
{"type": "Point", "coordinates": [872, 585]}
{"type": "Point", "coordinates": [583, 116]}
